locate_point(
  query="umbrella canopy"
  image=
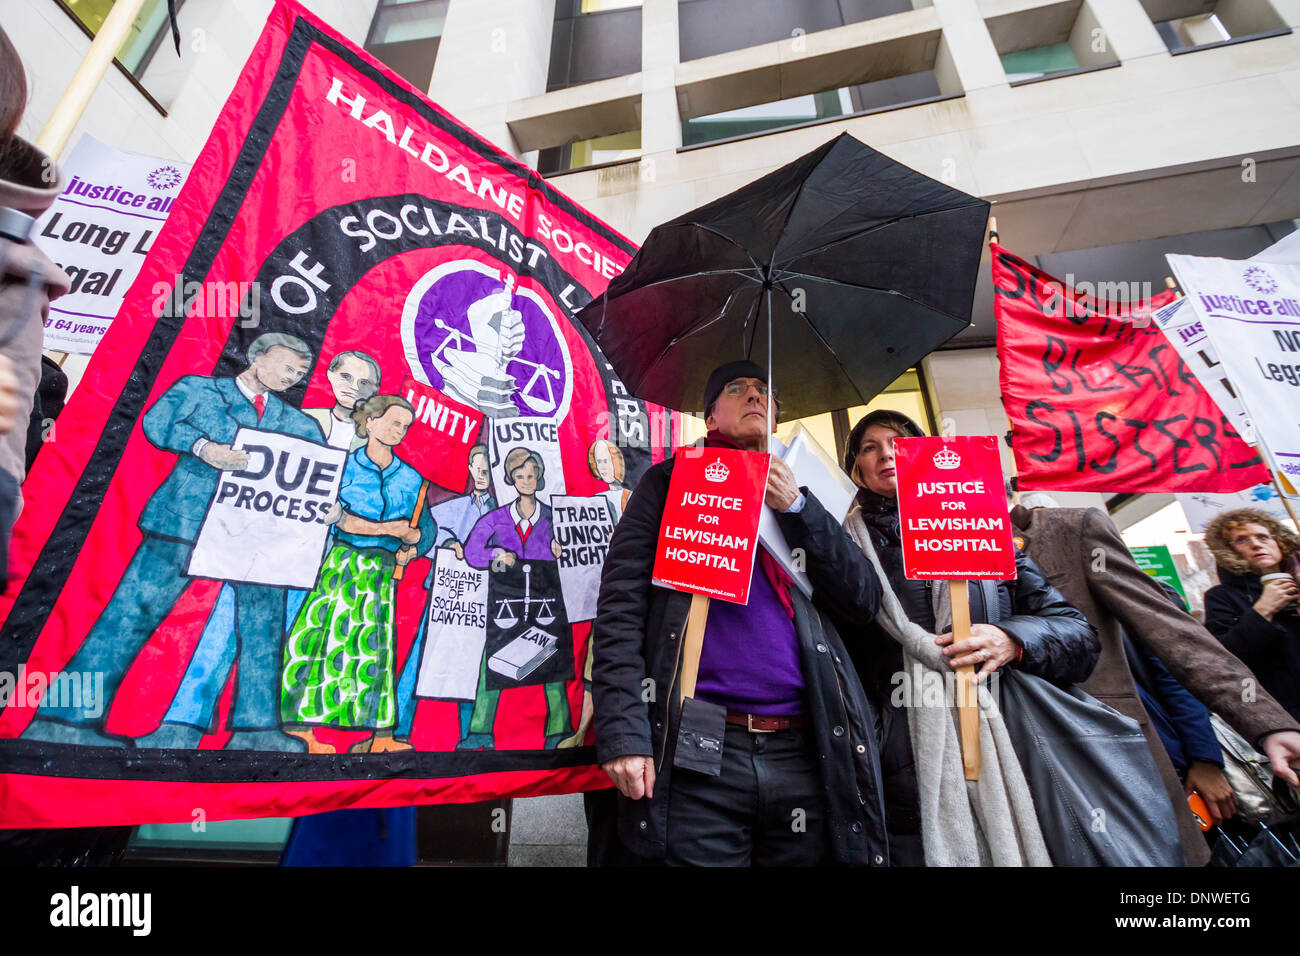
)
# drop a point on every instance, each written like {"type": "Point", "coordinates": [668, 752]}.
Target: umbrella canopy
{"type": "Point", "coordinates": [861, 265]}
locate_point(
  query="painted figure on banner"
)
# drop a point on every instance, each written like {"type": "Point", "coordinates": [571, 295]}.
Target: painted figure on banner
{"type": "Point", "coordinates": [455, 518]}
{"type": "Point", "coordinates": [197, 419]}
{"type": "Point", "coordinates": [606, 463]}
{"type": "Point", "coordinates": [528, 640]}
{"type": "Point", "coordinates": [339, 656]}
{"type": "Point", "coordinates": [354, 377]}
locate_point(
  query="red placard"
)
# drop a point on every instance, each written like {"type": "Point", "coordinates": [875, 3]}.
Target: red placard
{"type": "Point", "coordinates": [952, 508]}
{"type": "Point", "coordinates": [440, 437]}
{"type": "Point", "coordinates": [709, 533]}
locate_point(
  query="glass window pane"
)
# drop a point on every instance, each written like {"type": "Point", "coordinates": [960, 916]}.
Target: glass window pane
{"type": "Point", "coordinates": [1040, 61]}
{"type": "Point", "coordinates": [400, 20]}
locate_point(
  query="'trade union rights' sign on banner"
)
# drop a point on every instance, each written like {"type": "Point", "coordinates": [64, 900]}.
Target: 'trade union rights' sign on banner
{"type": "Point", "coordinates": [953, 509]}
{"type": "Point", "coordinates": [709, 533]}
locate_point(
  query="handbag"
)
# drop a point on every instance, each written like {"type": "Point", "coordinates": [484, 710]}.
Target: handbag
{"type": "Point", "coordinates": [1099, 797]}
{"type": "Point", "coordinates": [1251, 778]}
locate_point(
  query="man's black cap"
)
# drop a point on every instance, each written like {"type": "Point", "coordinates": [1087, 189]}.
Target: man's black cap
{"type": "Point", "coordinates": [723, 374]}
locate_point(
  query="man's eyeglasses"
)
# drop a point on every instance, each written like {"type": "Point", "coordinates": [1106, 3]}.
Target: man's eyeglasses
{"type": "Point", "coordinates": [742, 388]}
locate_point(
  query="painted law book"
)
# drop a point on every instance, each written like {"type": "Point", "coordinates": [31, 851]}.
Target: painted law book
{"type": "Point", "coordinates": [527, 652]}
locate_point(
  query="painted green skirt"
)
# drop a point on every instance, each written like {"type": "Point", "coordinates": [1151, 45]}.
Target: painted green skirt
{"type": "Point", "coordinates": [338, 657]}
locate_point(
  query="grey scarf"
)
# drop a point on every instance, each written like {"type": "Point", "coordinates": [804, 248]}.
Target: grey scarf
{"type": "Point", "coordinates": [985, 822]}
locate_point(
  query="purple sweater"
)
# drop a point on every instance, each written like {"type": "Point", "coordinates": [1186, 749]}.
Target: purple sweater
{"type": "Point", "coordinates": [750, 658]}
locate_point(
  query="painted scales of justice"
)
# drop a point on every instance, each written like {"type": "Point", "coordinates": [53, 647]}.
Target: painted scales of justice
{"type": "Point", "coordinates": [534, 647]}
{"type": "Point", "coordinates": [480, 377]}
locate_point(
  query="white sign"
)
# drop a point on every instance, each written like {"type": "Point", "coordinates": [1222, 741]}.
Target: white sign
{"type": "Point", "coordinates": [583, 527]}
{"type": "Point", "coordinates": [536, 435]}
{"type": "Point", "coordinates": [1186, 333]}
{"type": "Point", "coordinates": [816, 470]}
{"type": "Point", "coordinates": [1250, 309]}
{"type": "Point", "coordinates": [457, 630]}
{"type": "Point", "coordinates": [99, 230]}
{"type": "Point", "coordinates": [1201, 509]}
{"type": "Point", "coordinates": [267, 524]}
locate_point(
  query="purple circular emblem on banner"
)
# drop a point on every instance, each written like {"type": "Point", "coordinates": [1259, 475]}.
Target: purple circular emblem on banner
{"type": "Point", "coordinates": [477, 338]}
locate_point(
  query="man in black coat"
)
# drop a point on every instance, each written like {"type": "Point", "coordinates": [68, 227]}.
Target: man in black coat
{"type": "Point", "coordinates": [799, 776]}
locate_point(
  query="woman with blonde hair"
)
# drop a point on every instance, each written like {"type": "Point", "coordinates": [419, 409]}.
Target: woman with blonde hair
{"type": "Point", "coordinates": [1252, 610]}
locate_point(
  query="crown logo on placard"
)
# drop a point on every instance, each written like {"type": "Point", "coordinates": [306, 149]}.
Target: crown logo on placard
{"type": "Point", "coordinates": [947, 459]}
{"type": "Point", "coordinates": [716, 472]}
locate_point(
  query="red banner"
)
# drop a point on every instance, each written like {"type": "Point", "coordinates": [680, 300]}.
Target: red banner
{"type": "Point", "coordinates": [1097, 397]}
{"type": "Point", "coordinates": [952, 509]}
{"type": "Point", "coordinates": [441, 435]}
{"type": "Point", "coordinates": [709, 533]}
{"type": "Point", "coordinates": [412, 252]}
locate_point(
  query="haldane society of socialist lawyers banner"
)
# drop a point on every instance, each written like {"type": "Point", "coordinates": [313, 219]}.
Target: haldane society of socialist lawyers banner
{"type": "Point", "coordinates": [335, 546]}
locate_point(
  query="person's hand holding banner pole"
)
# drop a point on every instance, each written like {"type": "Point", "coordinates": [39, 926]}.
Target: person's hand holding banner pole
{"type": "Point", "coordinates": [400, 570]}
{"type": "Point", "coordinates": [954, 527]}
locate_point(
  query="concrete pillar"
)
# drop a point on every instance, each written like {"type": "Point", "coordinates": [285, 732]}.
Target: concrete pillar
{"type": "Point", "coordinates": [661, 127]}
{"type": "Point", "coordinates": [969, 51]}
{"type": "Point", "coordinates": [492, 53]}
{"type": "Point", "coordinates": [1129, 32]}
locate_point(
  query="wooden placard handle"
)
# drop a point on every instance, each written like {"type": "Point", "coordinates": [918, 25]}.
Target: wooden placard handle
{"type": "Point", "coordinates": [968, 717]}
{"type": "Point", "coordinates": [692, 644]}
{"type": "Point", "coordinates": [400, 570]}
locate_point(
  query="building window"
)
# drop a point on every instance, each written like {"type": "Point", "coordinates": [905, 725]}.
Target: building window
{"type": "Point", "coordinates": [598, 151]}
{"type": "Point", "coordinates": [1055, 40]}
{"type": "Point", "coordinates": [151, 30]}
{"type": "Point", "coordinates": [1193, 24]}
{"type": "Point", "coordinates": [594, 40]}
{"type": "Point", "coordinates": [709, 27]}
{"type": "Point", "coordinates": [1039, 62]}
{"type": "Point", "coordinates": [404, 36]}
{"type": "Point", "coordinates": [892, 93]}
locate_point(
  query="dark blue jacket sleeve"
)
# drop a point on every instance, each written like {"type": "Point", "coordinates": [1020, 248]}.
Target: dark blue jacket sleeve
{"type": "Point", "coordinates": [1190, 719]}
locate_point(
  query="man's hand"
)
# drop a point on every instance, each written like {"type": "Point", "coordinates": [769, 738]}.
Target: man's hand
{"type": "Point", "coordinates": [1208, 780]}
{"type": "Point", "coordinates": [333, 513]}
{"type": "Point", "coordinates": [1277, 594]}
{"type": "Point", "coordinates": [634, 776]}
{"type": "Point", "coordinates": [405, 556]}
{"type": "Point", "coordinates": [503, 557]}
{"type": "Point", "coordinates": [459, 549]}
{"type": "Point", "coordinates": [1281, 748]}
{"type": "Point", "coordinates": [987, 645]}
{"type": "Point", "coordinates": [8, 395]}
{"type": "Point", "coordinates": [782, 489]}
{"type": "Point", "coordinates": [224, 457]}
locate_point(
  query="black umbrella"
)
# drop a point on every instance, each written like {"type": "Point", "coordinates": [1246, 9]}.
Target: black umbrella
{"type": "Point", "coordinates": [853, 265]}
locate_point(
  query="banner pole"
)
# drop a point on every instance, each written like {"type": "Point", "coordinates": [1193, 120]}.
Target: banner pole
{"type": "Point", "coordinates": [67, 112]}
{"type": "Point", "coordinates": [993, 230]}
{"type": "Point", "coordinates": [400, 570]}
{"type": "Point", "coordinates": [1286, 502]}
{"type": "Point", "coordinates": [968, 717]}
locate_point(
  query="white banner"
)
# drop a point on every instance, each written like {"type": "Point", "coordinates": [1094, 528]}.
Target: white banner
{"type": "Point", "coordinates": [1250, 309]}
{"type": "Point", "coordinates": [1201, 509]}
{"type": "Point", "coordinates": [583, 527]}
{"type": "Point", "coordinates": [457, 630]}
{"type": "Point", "coordinates": [98, 230]}
{"type": "Point", "coordinates": [1186, 333]}
{"type": "Point", "coordinates": [536, 435]}
{"type": "Point", "coordinates": [266, 524]}
{"type": "Point", "coordinates": [816, 470]}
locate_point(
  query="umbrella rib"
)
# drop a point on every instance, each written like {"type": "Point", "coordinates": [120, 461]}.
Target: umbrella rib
{"type": "Point", "coordinates": [721, 235]}
{"type": "Point", "coordinates": [694, 330]}
{"type": "Point", "coordinates": [869, 288]}
{"type": "Point", "coordinates": [879, 225]}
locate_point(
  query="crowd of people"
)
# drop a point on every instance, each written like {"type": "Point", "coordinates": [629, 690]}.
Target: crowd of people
{"type": "Point", "coordinates": [820, 760]}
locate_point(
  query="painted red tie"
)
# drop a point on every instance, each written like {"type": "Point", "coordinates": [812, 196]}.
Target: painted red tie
{"type": "Point", "coordinates": [259, 402]}
{"type": "Point", "coordinates": [524, 530]}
